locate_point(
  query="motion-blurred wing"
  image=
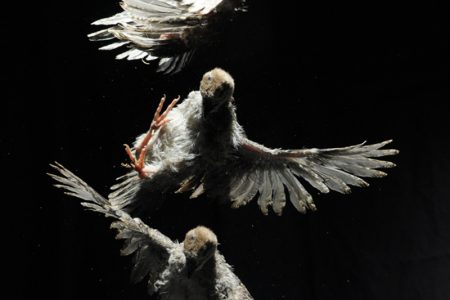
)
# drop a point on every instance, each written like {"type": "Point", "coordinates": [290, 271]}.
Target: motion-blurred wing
{"type": "Point", "coordinates": [149, 246]}
{"type": "Point", "coordinates": [163, 30]}
{"type": "Point", "coordinates": [267, 172]}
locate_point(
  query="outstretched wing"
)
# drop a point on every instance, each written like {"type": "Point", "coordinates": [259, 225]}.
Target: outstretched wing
{"type": "Point", "coordinates": [162, 30]}
{"type": "Point", "coordinates": [149, 246]}
{"type": "Point", "coordinates": [267, 172]}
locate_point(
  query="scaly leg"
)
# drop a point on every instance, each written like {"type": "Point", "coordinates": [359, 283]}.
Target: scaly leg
{"type": "Point", "coordinates": [158, 121]}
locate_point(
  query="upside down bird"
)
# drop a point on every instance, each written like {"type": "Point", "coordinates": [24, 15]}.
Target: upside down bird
{"type": "Point", "coordinates": [165, 31]}
{"type": "Point", "coordinates": [193, 269]}
{"type": "Point", "coordinates": [199, 146]}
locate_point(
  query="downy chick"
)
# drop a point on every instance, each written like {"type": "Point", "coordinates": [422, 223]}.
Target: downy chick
{"type": "Point", "coordinates": [199, 146]}
{"type": "Point", "coordinates": [193, 269]}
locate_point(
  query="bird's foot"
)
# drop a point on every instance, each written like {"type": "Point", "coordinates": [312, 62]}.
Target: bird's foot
{"type": "Point", "coordinates": [158, 121]}
{"type": "Point", "coordinates": [137, 164]}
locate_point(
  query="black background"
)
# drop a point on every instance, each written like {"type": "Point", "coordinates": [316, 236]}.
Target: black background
{"type": "Point", "coordinates": [309, 74]}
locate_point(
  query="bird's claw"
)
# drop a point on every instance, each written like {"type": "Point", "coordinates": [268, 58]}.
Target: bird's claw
{"type": "Point", "coordinates": [159, 120]}
{"type": "Point", "coordinates": [139, 163]}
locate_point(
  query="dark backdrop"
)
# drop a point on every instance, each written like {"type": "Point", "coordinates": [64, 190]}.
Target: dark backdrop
{"type": "Point", "coordinates": [310, 74]}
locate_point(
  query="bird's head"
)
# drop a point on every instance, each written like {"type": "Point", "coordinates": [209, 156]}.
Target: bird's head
{"type": "Point", "coordinates": [200, 244]}
{"type": "Point", "coordinates": [217, 87]}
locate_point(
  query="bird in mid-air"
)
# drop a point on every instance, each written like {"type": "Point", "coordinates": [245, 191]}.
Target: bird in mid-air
{"type": "Point", "coordinates": [166, 31]}
{"type": "Point", "coordinates": [199, 146]}
{"type": "Point", "coordinates": [193, 269]}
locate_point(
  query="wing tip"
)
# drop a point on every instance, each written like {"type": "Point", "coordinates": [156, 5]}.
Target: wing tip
{"type": "Point", "coordinates": [264, 209]}
{"type": "Point", "coordinates": [364, 184]}
{"type": "Point", "coordinates": [389, 151]}
{"type": "Point", "coordinates": [56, 165]}
{"type": "Point", "coordinates": [62, 173]}
{"type": "Point", "coordinates": [390, 165]}
{"type": "Point", "coordinates": [380, 174]}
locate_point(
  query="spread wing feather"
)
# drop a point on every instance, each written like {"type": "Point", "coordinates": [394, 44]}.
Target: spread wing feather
{"type": "Point", "coordinates": [149, 246]}
{"type": "Point", "coordinates": [276, 173]}
{"type": "Point", "coordinates": [164, 30]}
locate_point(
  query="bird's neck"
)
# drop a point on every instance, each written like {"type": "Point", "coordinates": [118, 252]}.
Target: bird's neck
{"type": "Point", "coordinates": [216, 108]}
{"type": "Point", "coordinates": [216, 130]}
{"type": "Point", "coordinates": [208, 272]}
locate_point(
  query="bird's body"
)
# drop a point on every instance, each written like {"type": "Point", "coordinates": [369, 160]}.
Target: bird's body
{"type": "Point", "coordinates": [167, 31]}
{"type": "Point", "coordinates": [193, 269]}
{"type": "Point", "coordinates": [203, 149]}
{"type": "Point", "coordinates": [190, 137]}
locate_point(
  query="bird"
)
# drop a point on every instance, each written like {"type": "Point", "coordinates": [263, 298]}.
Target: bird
{"type": "Point", "coordinates": [192, 269]}
{"type": "Point", "coordinates": [198, 146]}
{"type": "Point", "coordinates": [166, 31]}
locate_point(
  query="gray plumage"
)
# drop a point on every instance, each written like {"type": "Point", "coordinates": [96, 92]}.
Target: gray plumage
{"type": "Point", "coordinates": [203, 149]}
{"type": "Point", "coordinates": [193, 269]}
{"type": "Point", "coordinates": [166, 31]}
